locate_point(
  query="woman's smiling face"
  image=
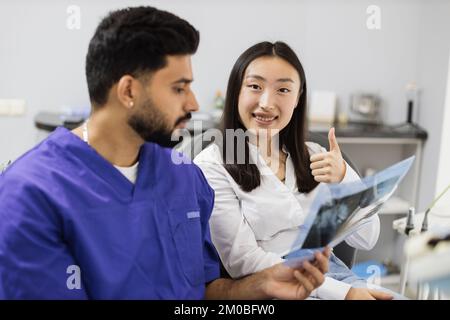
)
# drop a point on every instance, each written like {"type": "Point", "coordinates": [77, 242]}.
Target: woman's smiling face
{"type": "Point", "coordinates": [269, 94]}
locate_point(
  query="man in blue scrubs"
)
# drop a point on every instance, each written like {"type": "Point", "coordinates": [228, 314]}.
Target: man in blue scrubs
{"type": "Point", "coordinates": [103, 212]}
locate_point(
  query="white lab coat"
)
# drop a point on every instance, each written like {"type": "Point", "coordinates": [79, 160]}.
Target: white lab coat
{"type": "Point", "coordinates": [253, 230]}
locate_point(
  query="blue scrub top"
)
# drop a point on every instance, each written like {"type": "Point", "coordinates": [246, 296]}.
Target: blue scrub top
{"type": "Point", "coordinates": [63, 207]}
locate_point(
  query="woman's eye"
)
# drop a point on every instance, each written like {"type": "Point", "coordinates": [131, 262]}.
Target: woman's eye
{"type": "Point", "coordinates": [254, 86]}
{"type": "Point", "coordinates": [284, 90]}
{"type": "Point", "coordinates": [179, 90]}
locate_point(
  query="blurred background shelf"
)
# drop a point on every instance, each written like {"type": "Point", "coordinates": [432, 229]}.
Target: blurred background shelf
{"type": "Point", "coordinates": [395, 205]}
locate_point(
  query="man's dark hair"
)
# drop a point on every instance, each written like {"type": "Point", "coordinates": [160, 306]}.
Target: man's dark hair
{"type": "Point", "coordinates": [134, 41]}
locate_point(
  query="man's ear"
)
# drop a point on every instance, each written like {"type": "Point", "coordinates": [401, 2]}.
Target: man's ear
{"type": "Point", "coordinates": [128, 89]}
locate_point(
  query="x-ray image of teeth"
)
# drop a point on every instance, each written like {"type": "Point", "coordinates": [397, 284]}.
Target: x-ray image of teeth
{"type": "Point", "coordinates": [341, 209]}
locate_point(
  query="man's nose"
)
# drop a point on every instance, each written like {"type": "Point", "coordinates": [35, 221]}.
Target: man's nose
{"type": "Point", "coordinates": [191, 104]}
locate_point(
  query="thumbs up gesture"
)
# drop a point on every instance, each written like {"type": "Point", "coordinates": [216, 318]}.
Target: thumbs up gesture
{"type": "Point", "coordinates": [329, 167]}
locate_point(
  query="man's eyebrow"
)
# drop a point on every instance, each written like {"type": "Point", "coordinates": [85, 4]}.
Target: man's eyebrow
{"type": "Point", "coordinates": [263, 79]}
{"type": "Point", "coordinates": [183, 80]}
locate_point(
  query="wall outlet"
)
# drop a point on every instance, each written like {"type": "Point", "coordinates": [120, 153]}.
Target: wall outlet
{"type": "Point", "coordinates": [12, 107]}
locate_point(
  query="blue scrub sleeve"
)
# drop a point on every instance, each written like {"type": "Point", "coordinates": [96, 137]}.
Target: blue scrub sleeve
{"type": "Point", "coordinates": [211, 258]}
{"type": "Point", "coordinates": [35, 263]}
{"type": "Point", "coordinates": [206, 203]}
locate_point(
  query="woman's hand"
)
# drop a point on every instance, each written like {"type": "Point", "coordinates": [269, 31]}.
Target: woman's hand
{"type": "Point", "coordinates": [329, 167]}
{"type": "Point", "coordinates": [367, 294]}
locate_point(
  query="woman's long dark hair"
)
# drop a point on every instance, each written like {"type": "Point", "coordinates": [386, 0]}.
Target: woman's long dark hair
{"type": "Point", "coordinates": [292, 136]}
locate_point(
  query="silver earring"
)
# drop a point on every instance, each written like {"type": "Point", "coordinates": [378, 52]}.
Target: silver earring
{"type": "Point", "coordinates": [131, 103]}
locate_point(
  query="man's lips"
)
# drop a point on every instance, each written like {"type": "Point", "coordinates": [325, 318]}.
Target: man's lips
{"type": "Point", "coordinates": [182, 124]}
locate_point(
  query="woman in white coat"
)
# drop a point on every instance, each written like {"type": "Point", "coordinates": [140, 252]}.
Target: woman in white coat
{"type": "Point", "coordinates": [264, 185]}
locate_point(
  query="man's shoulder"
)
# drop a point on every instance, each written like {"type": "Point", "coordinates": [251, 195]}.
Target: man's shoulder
{"type": "Point", "coordinates": [37, 163]}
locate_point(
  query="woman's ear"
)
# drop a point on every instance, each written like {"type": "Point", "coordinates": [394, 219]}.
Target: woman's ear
{"type": "Point", "coordinates": [298, 97]}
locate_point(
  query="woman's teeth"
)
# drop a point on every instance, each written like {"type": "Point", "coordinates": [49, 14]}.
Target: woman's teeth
{"type": "Point", "coordinates": [266, 119]}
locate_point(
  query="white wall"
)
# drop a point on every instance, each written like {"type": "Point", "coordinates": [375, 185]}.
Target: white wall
{"type": "Point", "coordinates": [433, 53]}
{"type": "Point", "coordinates": [443, 173]}
{"type": "Point", "coordinates": [42, 61]}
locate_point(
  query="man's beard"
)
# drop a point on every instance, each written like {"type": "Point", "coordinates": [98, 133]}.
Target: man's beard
{"type": "Point", "coordinates": [152, 126]}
